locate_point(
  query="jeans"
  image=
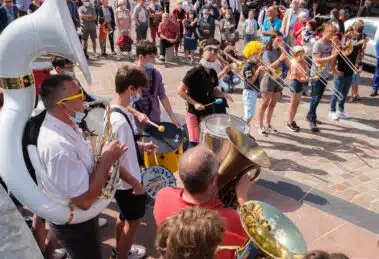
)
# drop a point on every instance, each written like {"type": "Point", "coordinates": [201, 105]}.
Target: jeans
{"type": "Point", "coordinates": [164, 44]}
{"type": "Point", "coordinates": [375, 80]}
{"type": "Point", "coordinates": [318, 88]}
{"type": "Point", "coordinates": [342, 86]}
{"type": "Point", "coordinates": [249, 104]}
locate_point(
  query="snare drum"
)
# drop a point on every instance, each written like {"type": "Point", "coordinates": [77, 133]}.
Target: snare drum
{"type": "Point", "coordinates": [213, 131]}
{"type": "Point", "coordinates": [155, 178]}
{"type": "Point", "coordinates": [93, 121]}
{"type": "Point", "coordinates": [170, 146]}
{"type": "Point", "coordinates": [41, 70]}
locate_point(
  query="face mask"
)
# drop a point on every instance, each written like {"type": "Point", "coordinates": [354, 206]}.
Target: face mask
{"type": "Point", "coordinates": [227, 16]}
{"type": "Point", "coordinates": [86, 4]}
{"type": "Point", "coordinates": [70, 73]}
{"type": "Point", "coordinates": [206, 16]}
{"type": "Point", "coordinates": [135, 98]}
{"type": "Point", "coordinates": [254, 59]}
{"type": "Point", "coordinates": [149, 66]}
{"type": "Point", "coordinates": [78, 116]}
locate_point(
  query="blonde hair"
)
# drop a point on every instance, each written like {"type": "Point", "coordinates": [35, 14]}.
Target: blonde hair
{"type": "Point", "coordinates": [252, 48]}
{"type": "Point", "coordinates": [193, 233]}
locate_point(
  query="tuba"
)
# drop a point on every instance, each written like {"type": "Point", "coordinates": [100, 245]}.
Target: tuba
{"type": "Point", "coordinates": [49, 30]}
{"type": "Point", "coordinates": [272, 235]}
{"type": "Point", "coordinates": [240, 154]}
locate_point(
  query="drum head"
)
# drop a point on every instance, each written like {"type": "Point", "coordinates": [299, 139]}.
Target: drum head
{"type": "Point", "coordinates": [155, 178]}
{"type": "Point", "coordinates": [216, 124]}
{"type": "Point", "coordinates": [95, 120]}
{"type": "Point", "coordinates": [41, 64]}
{"type": "Point", "coordinates": [167, 141]}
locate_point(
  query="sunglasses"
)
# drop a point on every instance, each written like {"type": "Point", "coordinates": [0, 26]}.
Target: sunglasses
{"type": "Point", "coordinates": [73, 97]}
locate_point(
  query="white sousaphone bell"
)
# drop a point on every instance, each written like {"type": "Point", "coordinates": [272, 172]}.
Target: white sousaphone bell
{"type": "Point", "coordinates": [49, 30]}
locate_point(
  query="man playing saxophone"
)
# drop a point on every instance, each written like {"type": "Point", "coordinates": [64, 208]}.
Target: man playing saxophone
{"type": "Point", "coordinates": [69, 164]}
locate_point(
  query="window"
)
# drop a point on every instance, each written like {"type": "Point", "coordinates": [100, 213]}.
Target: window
{"type": "Point", "coordinates": [370, 30]}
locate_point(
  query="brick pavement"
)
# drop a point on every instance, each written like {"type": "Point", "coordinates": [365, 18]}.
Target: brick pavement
{"type": "Point", "coordinates": [341, 160]}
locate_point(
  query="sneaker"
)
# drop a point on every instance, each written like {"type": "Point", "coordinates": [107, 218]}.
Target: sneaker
{"type": "Point", "coordinates": [333, 116]}
{"type": "Point", "coordinates": [161, 58]}
{"type": "Point", "coordinates": [374, 93]}
{"type": "Point", "coordinates": [293, 127]}
{"type": "Point", "coordinates": [102, 222]}
{"type": "Point", "coordinates": [343, 115]}
{"type": "Point", "coordinates": [313, 126]}
{"type": "Point", "coordinates": [60, 253]}
{"type": "Point", "coordinates": [114, 254]}
{"type": "Point", "coordinates": [294, 124]}
{"type": "Point", "coordinates": [271, 129]}
{"type": "Point", "coordinates": [137, 252]}
{"type": "Point", "coordinates": [262, 131]}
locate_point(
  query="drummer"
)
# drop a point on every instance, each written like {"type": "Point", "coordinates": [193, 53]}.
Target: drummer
{"type": "Point", "coordinates": [199, 88]}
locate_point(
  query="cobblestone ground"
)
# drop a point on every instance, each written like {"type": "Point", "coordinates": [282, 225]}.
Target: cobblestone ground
{"type": "Point", "coordinates": [341, 160]}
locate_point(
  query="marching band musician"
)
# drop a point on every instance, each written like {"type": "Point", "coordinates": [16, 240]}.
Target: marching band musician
{"type": "Point", "coordinates": [199, 88]}
{"type": "Point", "coordinates": [343, 70]}
{"type": "Point", "coordinates": [322, 55]}
{"type": "Point", "coordinates": [253, 72]}
{"type": "Point", "coordinates": [130, 198]}
{"type": "Point", "coordinates": [298, 76]}
{"type": "Point", "coordinates": [69, 163]}
{"type": "Point", "coordinates": [270, 88]}
{"type": "Point", "coordinates": [198, 170]}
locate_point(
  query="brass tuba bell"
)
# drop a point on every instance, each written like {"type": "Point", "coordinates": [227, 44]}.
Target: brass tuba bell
{"type": "Point", "coordinates": [240, 155]}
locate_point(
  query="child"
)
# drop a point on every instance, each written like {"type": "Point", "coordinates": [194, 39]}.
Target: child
{"type": "Point", "coordinates": [252, 72]}
{"type": "Point", "coordinates": [190, 35]}
{"type": "Point", "coordinates": [298, 78]}
{"type": "Point", "coordinates": [123, 22]}
{"type": "Point", "coordinates": [250, 28]}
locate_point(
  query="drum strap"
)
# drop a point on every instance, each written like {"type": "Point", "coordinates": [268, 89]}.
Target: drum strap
{"type": "Point", "coordinates": [139, 157]}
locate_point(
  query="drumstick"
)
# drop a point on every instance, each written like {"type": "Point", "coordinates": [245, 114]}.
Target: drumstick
{"type": "Point", "coordinates": [217, 101]}
{"type": "Point", "coordinates": [160, 128]}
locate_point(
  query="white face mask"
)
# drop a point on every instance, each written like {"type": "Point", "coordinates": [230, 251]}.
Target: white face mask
{"type": "Point", "coordinates": [70, 73]}
{"type": "Point", "coordinates": [227, 16]}
{"type": "Point", "coordinates": [135, 98]}
{"type": "Point", "coordinates": [86, 4]}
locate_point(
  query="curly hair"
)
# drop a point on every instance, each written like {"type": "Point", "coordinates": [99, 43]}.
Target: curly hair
{"type": "Point", "coordinates": [252, 48]}
{"type": "Point", "coordinates": [193, 233]}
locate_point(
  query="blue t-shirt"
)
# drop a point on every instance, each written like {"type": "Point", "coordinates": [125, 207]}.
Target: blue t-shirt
{"type": "Point", "coordinates": [276, 23]}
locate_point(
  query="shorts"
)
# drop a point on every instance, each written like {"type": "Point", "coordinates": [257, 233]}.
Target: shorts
{"type": "Point", "coordinates": [193, 127]}
{"type": "Point", "coordinates": [132, 207]}
{"type": "Point", "coordinates": [356, 79]}
{"type": "Point", "coordinates": [89, 33]}
{"type": "Point", "coordinates": [269, 85]}
{"type": "Point", "coordinates": [296, 87]}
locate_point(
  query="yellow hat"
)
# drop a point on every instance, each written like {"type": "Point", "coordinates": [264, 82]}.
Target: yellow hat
{"type": "Point", "coordinates": [252, 48]}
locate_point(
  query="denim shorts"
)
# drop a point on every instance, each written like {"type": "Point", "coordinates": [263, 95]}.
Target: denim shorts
{"type": "Point", "coordinates": [356, 79]}
{"type": "Point", "coordinates": [296, 87]}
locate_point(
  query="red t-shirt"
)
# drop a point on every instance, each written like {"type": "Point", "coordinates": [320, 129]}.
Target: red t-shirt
{"type": "Point", "coordinates": [169, 30]}
{"type": "Point", "coordinates": [169, 201]}
{"type": "Point", "coordinates": [296, 28]}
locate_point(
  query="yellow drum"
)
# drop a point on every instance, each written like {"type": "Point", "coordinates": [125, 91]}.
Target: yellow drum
{"type": "Point", "coordinates": [170, 146]}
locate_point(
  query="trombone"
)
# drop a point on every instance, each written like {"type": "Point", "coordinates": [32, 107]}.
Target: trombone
{"type": "Point", "coordinates": [237, 66]}
{"type": "Point", "coordinates": [318, 68]}
{"type": "Point", "coordinates": [343, 53]}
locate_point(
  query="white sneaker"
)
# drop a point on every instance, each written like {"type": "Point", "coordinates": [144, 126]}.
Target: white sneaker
{"type": "Point", "coordinates": [343, 115]}
{"type": "Point", "coordinates": [333, 116]}
{"type": "Point", "coordinates": [137, 252]}
{"type": "Point", "coordinates": [60, 253]}
{"type": "Point", "coordinates": [102, 222]}
{"type": "Point", "coordinates": [161, 58]}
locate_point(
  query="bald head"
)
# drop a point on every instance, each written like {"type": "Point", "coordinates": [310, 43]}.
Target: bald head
{"type": "Point", "coordinates": [197, 168]}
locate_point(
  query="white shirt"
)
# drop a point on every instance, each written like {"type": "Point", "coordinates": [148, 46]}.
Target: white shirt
{"type": "Point", "coordinates": [66, 157]}
{"type": "Point", "coordinates": [129, 159]}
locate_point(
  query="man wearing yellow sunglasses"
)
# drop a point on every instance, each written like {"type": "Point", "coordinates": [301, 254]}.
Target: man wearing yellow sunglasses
{"type": "Point", "coordinates": [69, 163]}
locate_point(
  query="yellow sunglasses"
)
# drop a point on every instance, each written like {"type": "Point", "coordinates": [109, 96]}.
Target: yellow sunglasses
{"type": "Point", "coordinates": [73, 97]}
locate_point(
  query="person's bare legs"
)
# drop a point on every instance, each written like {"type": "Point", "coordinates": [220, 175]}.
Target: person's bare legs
{"type": "Point", "coordinates": [94, 46]}
{"type": "Point", "coordinates": [40, 232]}
{"type": "Point", "coordinates": [271, 106]}
{"type": "Point", "coordinates": [265, 100]}
{"type": "Point", "coordinates": [51, 244]}
{"type": "Point", "coordinates": [119, 227]}
{"type": "Point", "coordinates": [294, 105]}
{"type": "Point", "coordinates": [127, 237]}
